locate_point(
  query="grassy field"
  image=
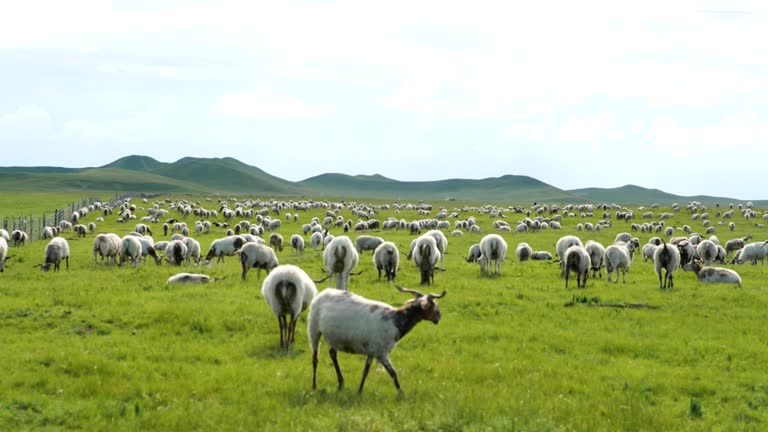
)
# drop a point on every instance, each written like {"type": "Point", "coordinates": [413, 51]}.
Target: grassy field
{"type": "Point", "coordinates": [114, 349]}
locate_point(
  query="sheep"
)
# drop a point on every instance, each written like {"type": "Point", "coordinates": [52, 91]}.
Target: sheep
{"type": "Point", "coordinates": [687, 251]}
{"type": "Point", "coordinates": [275, 225]}
{"type": "Point", "coordinates": [596, 253]}
{"type": "Point", "coordinates": [226, 246]}
{"type": "Point", "coordinates": [386, 258]}
{"type": "Point", "coordinates": [541, 256]}
{"type": "Point", "coordinates": [564, 243]}
{"type": "Point", "coordinates": [106, 245]}
{"type": "Point", "coordinates": [276, 241]}
{"type": "Point", "coordinates": [130, 250]}
{"type": "Point", "coordinates": [193, 250]}
{"type": "Point", "coordinates": [19, 237]}
{"type": "Point", "coordinates": [340, 258]}
{"type": "Point", "coordinates": [736, 244]}
{"type": "Point", "coordinates": [753, 252]}
{"type": "Point", "coordinates": [297, 244]}
{"type": "Point", "coordinates": [143, 229]}
{"type": "Point", "coordinates": [367, 243]}
{"type": "Point", "coordinates": [523, 251]}
{"type": "Point", "coordinates": [317, 240]}
{"type": "Point", "coordinates": [3, 253]}
{"type": "Point", "coordinates": [55, 251]}
{"type": "Point", "coordinates": [4, 235]}
{"type": "Point", "coordinates": [474, 253]}
{"type": "Point", "coordinates": [426, 255]}
{"type": "Point", "coordinates": [148, 249]}
{"type": "Point", "coordinates": [576, 259]}
{"type": "Point", "coordinates": [258, 256]}
{"type": "Point", "coordinates": [713, 274]}
{"type": "Point", "coordinates": [353, 324]}
{"type": "Point", "coordinates": [707, 251]}
{"type": "Point", "coordinates": [193, 278]}
{"type": "Point", "coordinates": [666, 258]}
{"type": "Point", "coordinates": [442, 244]}
{"type": "Point", "coordinates": [617, 258]}
{"type": "Point", "coordinates": [176, 252]}
{"type": "Point", "coordinates": [288, 290]}
{"type": "Point", "coordinates": [80, 230]}
{"type": "Point", "coordinates": [648, 251]}
{"type": "Point", "coordinates": [493, 248]}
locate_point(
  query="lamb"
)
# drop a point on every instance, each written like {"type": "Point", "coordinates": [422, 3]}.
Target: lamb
{"type": "Point", "coordinates": [56, 250]}
{"type": "Point", "coordinates": [80, 230]}
{"type": "Point", "coordinates": [130, 250]}
{"type": "Point", "coordinates": [106, 245]}
{"type": "Point", "coordinates": [707, 251]}
{"type": "Point", "coordinates": [564, 243]}
{"type": "Point", "coordinates": [386, 258]}
{"type": "Point", "coordinates": [226, 246]}
{"type": "Point", "coordinates": [3, 253]}
{"type": "Point", "coordinates": [340, 258]}
{"type": "Point", "coordinates": [523, 251]}
{"type": "Point", "coordinates": [297, 244]}
{"type": "Point", "coordinates": [713, 274]}
{"type": "Point", "coordinates": [493, 248]}
{"type": "Point", "coordinates": [474, 253]}
{"type": "Point", "coordinates": [426, 255]}
{"type": "Point", "coordinates": [193, 278]}
{"type": "Point", "coordinates": [666, 258]}
{"type": "Point", "coordinates": [353, 324]}
{"type": "Point", "coordinates": [258, 256]}
{"type": "Point", "coordinates": [596, 253]}
{"type": "Point", "coordinates": [367, 243]}
{"type": "Point", "coordinates": [576, 259]}
{"type": "Point", "coordinates": [288, 290]}
{"type": "Point", "coordinates": [541, 256]}
{"type": "Point", "coordinates": [276, 241]}
{"type": "Point", "coordinates": [617, 258]}
{"type": "Point", "coordinates": [753, 252]}
{"type": "Point", "coordinates": [176, 252]}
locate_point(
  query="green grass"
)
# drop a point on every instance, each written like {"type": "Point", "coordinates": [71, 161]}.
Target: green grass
{"type": "Point", "coordinates": [115, 349]}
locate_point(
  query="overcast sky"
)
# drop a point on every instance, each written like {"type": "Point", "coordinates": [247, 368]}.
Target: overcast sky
{"type": "Point", "coordinates": [663, 94]}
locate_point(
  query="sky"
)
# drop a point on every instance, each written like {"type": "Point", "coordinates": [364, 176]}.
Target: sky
{"type": "Point", "coordinates": [667, 95]}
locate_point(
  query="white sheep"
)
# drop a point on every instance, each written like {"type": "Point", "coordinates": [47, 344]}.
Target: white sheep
{"type": "Point", "coordinates": [317, 240]}
{"type": "Point", "coordinates": [564, 243]}
{"type": "Point", "coordinates": [666, 258]}
{"type": "Point", "coordinates": [226, 246]}
{"type": "Point", "coordinates": [442, 244]}
{"type": "Point", "coordinates": [276, 241]}
{"type": "Point", "coordinates": [56, 251]}
{"type": "Point", "coordinates": [193, 250]}
{"type": "Point", "coordinates": [576, 260]}
{"type": "Point", "coordinates": [596, 253]}
{"type": "Point", "coordinates": [474, 253]}
{"type": "Point", "coordinates": [753, 252]}
{"type": "Point", "coordinates": [707, 251]}
{"type": "Point", "coordinates": [297, 244]}
{"type": "Point", "coordinates": [193, 278]}
{"type": "Point", "coordinates": [288, 290]}
{"type": "Point", "coordinates": [713, 274]}
{"type": "Point", "coordinates": [617, 257]}
{"type": "Point", "coordinates": [148, 249]}
{"type": "Point", "coordinates": [176, 252]}
{"type": "Point", "coordinates": [426, 255]}
{"type": "Point", "coordinates": [353, 324]}
{"type": "Point", "coordinates": [130, 250]}
{"type": "Point", "coordinates": [107, 246]}
{"type": "Point", "coordinates": [3, 252]}
{"type": "Point", "coordinates": [523, 251]}
{"type": "Point", "coordinates": [340, 258]}
{"type": "Point", "coordinates": [493, 249]}
{"type": "Point", "coordinates": [541, 256]}
{"type": "Point", "coordinates": [386, 258]}
{"type": "Point", "coordinates": [4, 235]}
{"type": "Point", "coordinates": [258, 256]}
{"type": "Point", "coordinates": [367, 243]}
{"type": "Point", "coordinates": [19, 237]}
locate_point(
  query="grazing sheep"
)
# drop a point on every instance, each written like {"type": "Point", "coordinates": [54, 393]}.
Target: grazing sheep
{"type": "Point", "coordinates": [736, 244]}
{"type": "Point", "coordinates": [317, 240]}
{"type": "Point", "coordinates": [706, 250]}
{"type": "Point", "coordinates": [367, 243]}
{"type": "Point", "coordinates": [617, 258]}
{"type": "Point", "coordinates": [541, 256]}
{"type": "Point", "coordinates": [353, 324]}
{"type": "Point", "coordinates": [193, 278]}
{"type": "Point", "coordinates": [226, 246]}
{"type": "Point", "coordinates": [3, 253]}
{"type": "Point", "coordinates": [107, 246]}
{"type": "Point", "coordinates": [426, 255]}
{"type": "Point", "coordinates": [596, 253]}
{"type": "Point", "coordinates": [148, 249]}
{"type": "Point", "coordinates": [176, 252]}
{"type": "Point", "coordinates": [576, 259]}
{"type": "Point", "coordinates": [493, 249]}
{"type": "Point", "coordinates": [297, 244]}
{"type": "Point", "coordinates": [258, 256]}
{"type": "Point", "coordinates": [19, 237]}
{"type": "Point", "coordinates": [713, 274]}
{"type": "Point", "coordinates": [276, 241]}
{"type": "Point", "coordinates": [386, 258]}
{"type": "Point", "coordinates": [193, 250]}
{"type": "Point", "coordinates": [523, 251]}
{"type": "Point", "coordinates": [474, 253]}
{"type": "Point", "coordinates": [130, 250]}
{"type": "Point", "coordinates": [4, 235]}
{"type": "Point", "coordinates": [666, 258]}
{"type": "Point", "coordinates": [80, 230]}
{"type": "Point", "coordinates": [442, 244]}
{"type": "Point", "coordinates": [648, 251]}
{"type": "Point", "coordinates": [56, 250]}
{"type": "Point", "coordinates": [564, 243]}
{"type": "Point", "coordinates": [288, 290]}
{"type": "Point", "coordinates": [753, 252]}
{"type": "Point", "coordinates": [340, 258]}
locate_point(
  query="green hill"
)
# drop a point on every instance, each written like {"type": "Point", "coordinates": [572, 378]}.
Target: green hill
{"type": "Point", "coordinates": [136, 163]}
{"type": "Point", "coordinates": [632, 194]}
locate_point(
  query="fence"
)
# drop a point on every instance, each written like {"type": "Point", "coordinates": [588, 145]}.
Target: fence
{"type": "Point", "coordinates": [33, 225]}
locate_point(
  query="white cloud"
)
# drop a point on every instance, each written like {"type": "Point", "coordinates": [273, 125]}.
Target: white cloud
{"type": "Point", "coordinates": [264, 103]}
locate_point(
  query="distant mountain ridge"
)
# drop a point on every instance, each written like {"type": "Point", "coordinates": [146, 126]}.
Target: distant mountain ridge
{"type": "Point", "coordinates": [136, 173]}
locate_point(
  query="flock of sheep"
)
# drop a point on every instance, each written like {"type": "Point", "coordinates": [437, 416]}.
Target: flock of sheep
{"type": "Point", "coordinates": [351, 323]}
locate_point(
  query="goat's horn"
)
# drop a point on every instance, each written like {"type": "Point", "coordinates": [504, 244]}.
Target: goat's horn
{"type": "Point", "coordinates": [408, 290]}
{"type": "Point", "coordinates": [435, 296]}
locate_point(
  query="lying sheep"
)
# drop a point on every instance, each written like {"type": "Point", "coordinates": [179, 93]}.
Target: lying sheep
{"type": "Point", "coordinates": [56, 251]}
{"type": "Point", "coordinates": [353, 324]}
{"type": "Point", "coordinates": [192, 278]}
{"type": "Point", "coordinates": [713, 274]}
{"type": "Point", "coordinates": [541, 256]}
{"type": "Point", "coordinates": [258, 256]}
{"type": "Point", "coordinates": [386, 258]}
{"type": "Point", "coordinates": [288, 291]}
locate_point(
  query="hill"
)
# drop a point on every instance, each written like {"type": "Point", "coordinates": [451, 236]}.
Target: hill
{"type": "Point", "coordinates": [632, 194]}
{"type": "Point", "coordinates": [136, 163]}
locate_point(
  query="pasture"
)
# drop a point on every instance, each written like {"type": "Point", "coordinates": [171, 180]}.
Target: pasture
{"type": "Point", "coordinates": [114, 348]}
